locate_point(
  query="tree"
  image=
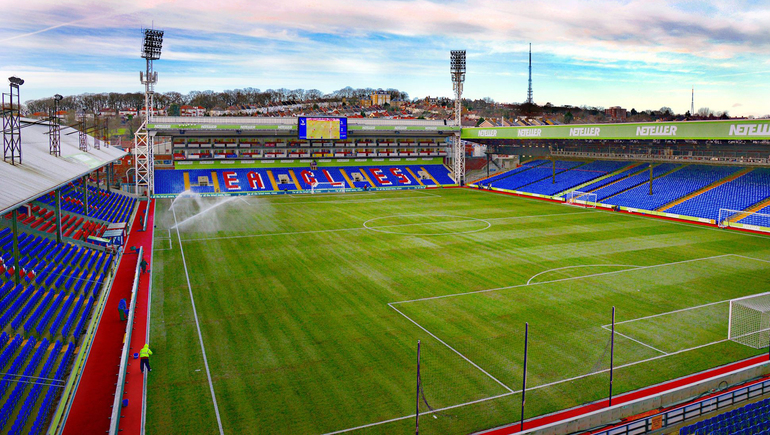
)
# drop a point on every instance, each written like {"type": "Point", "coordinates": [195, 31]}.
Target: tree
{"type": "Point", "coordinates": [173, 109]}
{"type": "Point", "coordinates": [480, 121]}
{"type": "Point", "coordinates": [705, 112]}
{"type": "Point", "coordinates": [568, 117]}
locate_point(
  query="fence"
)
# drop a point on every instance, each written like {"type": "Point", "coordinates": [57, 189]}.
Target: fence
{"type": "Point", "coordinates": [125, 354]}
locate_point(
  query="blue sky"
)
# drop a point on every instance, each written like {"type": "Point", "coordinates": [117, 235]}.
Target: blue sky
{"type": "Point", "coordinates": [633, 53]}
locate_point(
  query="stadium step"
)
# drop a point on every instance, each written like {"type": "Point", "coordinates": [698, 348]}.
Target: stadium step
{"type": "Point", "coordinates": [753, 209]}
{"type": "Point", "coordinates": [604, 177]}
{"type": "Point", "coordinates": [727, 179]}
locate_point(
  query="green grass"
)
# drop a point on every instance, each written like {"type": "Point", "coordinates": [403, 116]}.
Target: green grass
{"type": "Point", "coordinates": [293, 294]}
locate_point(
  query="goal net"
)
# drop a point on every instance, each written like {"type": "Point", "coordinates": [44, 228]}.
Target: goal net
{"type": "Point", "coordinates": [583, 199]}
{"type": "Point", "coordinates": [728, 218]}
{"type": "Point", "coordinates": [319, 187]}
{"type": "Point", "coordinates": [750, 321]}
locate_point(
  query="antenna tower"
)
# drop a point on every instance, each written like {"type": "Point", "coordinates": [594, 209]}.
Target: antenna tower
{"type": "Point", "coordinates": [529, 91]}
{"type": "Point", "coordinates": [692, 102]}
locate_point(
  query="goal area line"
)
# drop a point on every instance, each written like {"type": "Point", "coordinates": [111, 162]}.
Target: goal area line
{"type": "Point", "coordinates": [562, 381]}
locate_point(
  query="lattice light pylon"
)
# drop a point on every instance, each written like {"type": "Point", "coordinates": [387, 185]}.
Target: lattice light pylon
{"type": "Point", "coordinates": [12, 122]}
{"type": "Point", "coordinates": [143, 165]}
{"type": "Point", "coordinates": [457, 69]}
{"type": "Point", "coordinates": [144, 160]}
{"type": "Point", "coordinates": [54, 128]}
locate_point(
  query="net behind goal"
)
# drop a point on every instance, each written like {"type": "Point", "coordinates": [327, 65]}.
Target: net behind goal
{"type": "Point", "coordinates": [327, 187]}
{"type": "Point", "coordinates": [583, 199]}
{"type": "Point", "coordinates": [743, 218]}
{"type": "Point", "coordinates": [750, 321]}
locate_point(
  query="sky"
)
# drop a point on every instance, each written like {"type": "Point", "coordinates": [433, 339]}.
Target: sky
{"type": "Point", "coordinates": [642, 54]}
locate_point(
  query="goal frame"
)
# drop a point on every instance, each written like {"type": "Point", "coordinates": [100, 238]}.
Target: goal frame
{"type": "Point", "coordinates": [760, 327]}
{"type": "Point", "coordinates": [729, 218]}
{"type": "Point", "coordinates": [328, 187]}
{"type": "Point", "coordinates": [581, 199]}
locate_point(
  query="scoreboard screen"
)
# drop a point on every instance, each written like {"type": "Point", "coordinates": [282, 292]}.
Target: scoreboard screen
{"type": "Point", "coordinates": [323, 128]}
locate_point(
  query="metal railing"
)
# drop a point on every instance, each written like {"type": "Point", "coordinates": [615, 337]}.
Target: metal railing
{"type": "Point", "coordinates": [117, 404]}
{"type": "Point", "coordinates": [684, 413]}
{"type": "Point", "coordinates": [720, 160]}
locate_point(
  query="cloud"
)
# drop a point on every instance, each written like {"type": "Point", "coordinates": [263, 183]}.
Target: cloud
{"type": "Point", "coordinates": [644, 45]}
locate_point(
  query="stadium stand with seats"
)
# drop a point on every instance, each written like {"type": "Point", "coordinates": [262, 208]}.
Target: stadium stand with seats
{"type": "Point", "coordinates": [671, 187]}
{"type": "Point", "coordinates": [522, 168]}
{"type": "Point", "coordinates": [534, 174]}
{"type": "Point", "coordinates": [568, 179]}
{"type": "Point", "coordinates": [42, 308]}
{"type": "Point", "coordinates": [171, 182]}
{"type": "Point", "coordinates": [639, 177]}
{"type": "Point", "coordinates": [750, 419]}
{"type": "Point", "coordinates": [739, 194]}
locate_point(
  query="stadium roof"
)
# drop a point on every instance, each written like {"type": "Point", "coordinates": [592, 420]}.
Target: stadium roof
{"type": "Point", "coordinates": [179, 125]}
{"type": "Point", "coordinates": [41, 172]}
{"type": "Point", "coordinates": [744, 129]}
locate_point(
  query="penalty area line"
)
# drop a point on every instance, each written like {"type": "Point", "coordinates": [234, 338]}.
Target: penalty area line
{"type": "Point", "coordinates": [453, 349]}
{"type": "Point", "coordinates": [635, 340]}
{"type": "Point", "coordinates": [537, 387]}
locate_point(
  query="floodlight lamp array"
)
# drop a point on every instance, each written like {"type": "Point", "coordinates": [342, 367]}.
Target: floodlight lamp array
{"type": "Point", "coordinates": [457, 65]}
{"type": "Point", "coordinates": [15, 81]}
{"type": "Point", "coordinates": [153, 42]}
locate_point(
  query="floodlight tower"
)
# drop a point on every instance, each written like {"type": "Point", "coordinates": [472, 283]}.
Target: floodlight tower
{"type": "Point", "coordinates": [144, 164]}
{"type": "Point", "coordinates": [54, 128]}
{"type": "Point", "coordinates": [457, 69]}
{"type": "Point", "coordinates": [12, 122]}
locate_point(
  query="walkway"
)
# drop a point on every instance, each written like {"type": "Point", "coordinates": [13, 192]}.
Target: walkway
{"type": "Point", "coordinates": [92, 407]}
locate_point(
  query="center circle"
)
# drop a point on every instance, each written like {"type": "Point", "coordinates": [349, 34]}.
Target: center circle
{"type": "Point", "coordinates": [426, 224]}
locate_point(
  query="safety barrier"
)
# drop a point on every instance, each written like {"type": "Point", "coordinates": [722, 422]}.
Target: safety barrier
{"type": "Point", "coordinates": [125, 354]}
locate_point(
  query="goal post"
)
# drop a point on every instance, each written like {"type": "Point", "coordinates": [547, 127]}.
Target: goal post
{"type": "Point", "coordinates": [742, 218]}
{"type": "Point", "coordinates": [583, 199]}
{"type": "Point", "coordinates": [749, 321]}
{"type": "Point", "coordinates": [334, 187]}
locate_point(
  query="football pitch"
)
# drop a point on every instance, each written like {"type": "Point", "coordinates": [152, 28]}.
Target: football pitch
{"type": "Point", "coordinates": [310, 308]}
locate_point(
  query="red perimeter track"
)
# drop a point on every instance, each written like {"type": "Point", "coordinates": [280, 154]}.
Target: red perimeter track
{"type": "Point", "coordinates": [627, 397]}
{"type": "Point", "coordinates": [92, 407]}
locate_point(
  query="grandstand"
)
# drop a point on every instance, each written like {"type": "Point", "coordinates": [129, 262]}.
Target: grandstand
{"type": "Point", "coordinates": [55, 271]}
{"type": "Point", "coordinates": [301, 313]}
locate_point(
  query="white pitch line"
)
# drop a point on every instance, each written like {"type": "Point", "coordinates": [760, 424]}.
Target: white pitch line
{"type": "Point", "coordinates": [538, 387]}
{"type": "Point", "coordinates": [197, 325]}
{"type": "Point", "coordinates": [630, 266]}
{"type": "Point", "coordinates": [751, 258]}
{"type": "Point", "coordinates": [560, 280]}
{"type": "Point", "coordinates": [452, 349]}
{"type": "Point", "coordinates": [289, 233]}
{"type": "Point", "coordinates": [670, 312]}
{"type": "Point", "coordinates": [693, 225]}
{"type": "Point", "coordinates": [635, 340]}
